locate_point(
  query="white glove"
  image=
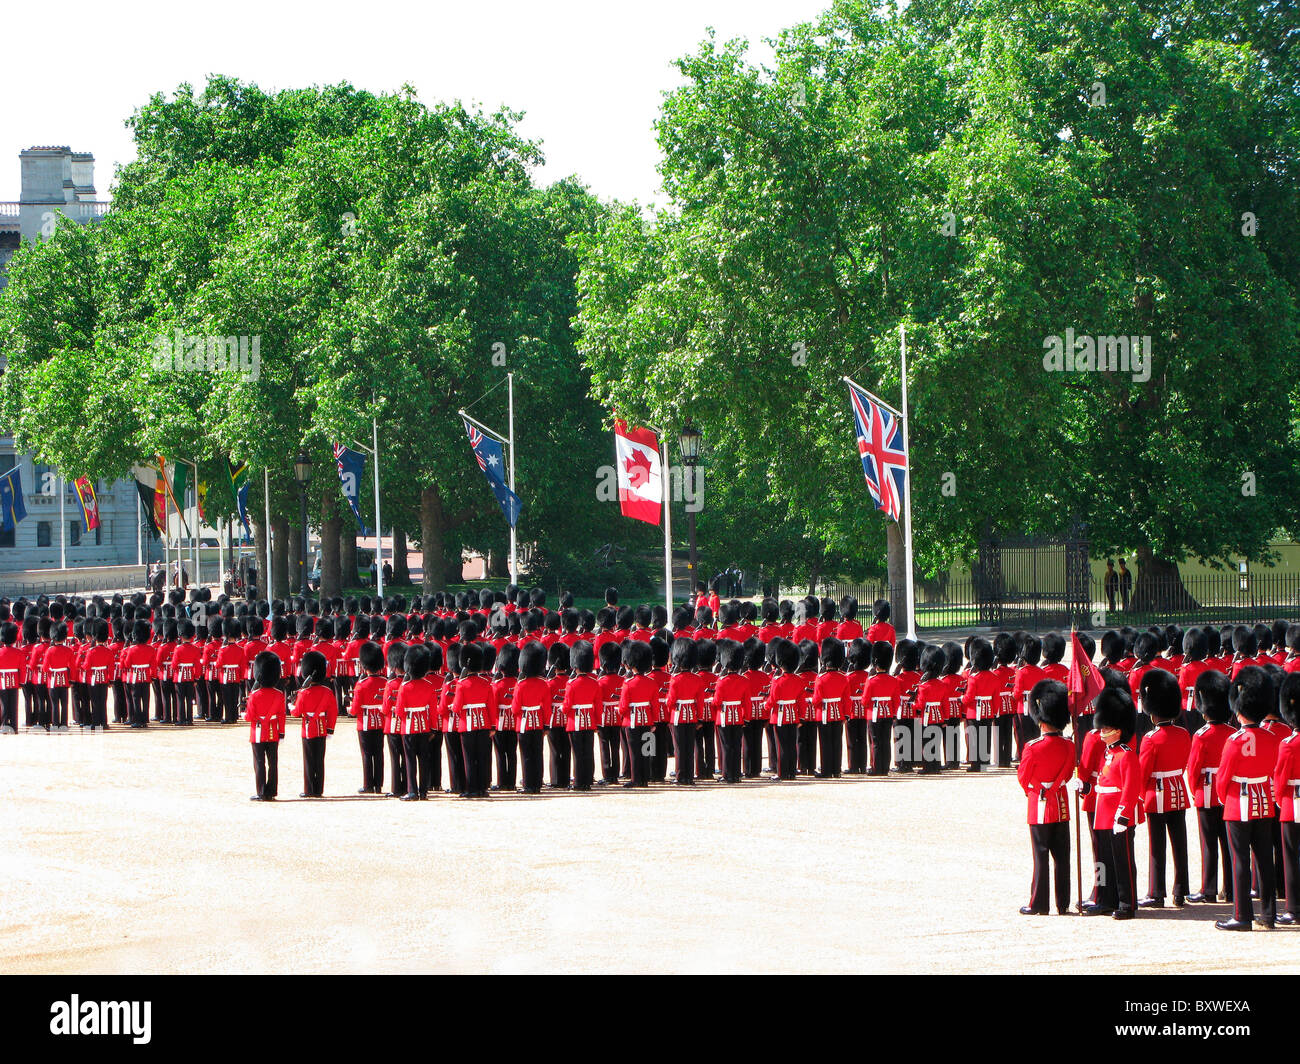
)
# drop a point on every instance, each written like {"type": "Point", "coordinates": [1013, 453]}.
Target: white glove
{"type": "Point", "coordinates": [1120, 829]}
{"type": "Point", "coordinates": [1074, 784]}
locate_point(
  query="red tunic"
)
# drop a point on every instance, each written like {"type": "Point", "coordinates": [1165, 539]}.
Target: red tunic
{"type": "Point", "coordinates": [1046, 765]}
{"type": "Point", "coordinates": [1119, 789]}
{"type": "Point", "coordinates": [1245, 777]}
{"type": "Point", "coordinates": [265, 714]}
{"type": "Point", "coordinates": [582, 703]}
{"type": "Point", "coordinates": [830, 697]}
{"type": "Point", "coordinates": [1286, 780]}
{"type": "Point", "coordinates": [1163, 761]}
{"type": "Point", "coordinates": [368, 703]}
{"type": "Point", "coordinates": [787, 699]}
{"type": "Point", "coordinates": [319, 710]}
{"type": "Point", "coordinates": [685, 696]}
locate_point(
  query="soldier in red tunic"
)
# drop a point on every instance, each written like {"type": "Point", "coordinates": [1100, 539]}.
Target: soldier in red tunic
{"type": "Point", "coordinates": [1163, 761]}
{"type": "Point", "coordinates": [1286, 789]}
{"type": "Point", "coordinates": [1245, 786]}
{"type": "Point", "coordinates": [1045, 770]}
{"type": "Point", "coordinates": [318, 707]}
{"type": "Point", "coordinates": [367, 696]}
{"type": "Point", "coordinates": [1119, 807]}
{"type": "Point", "coordinates": [1211, 694]}
{"type": "Point", "coordinates": [266, 718]}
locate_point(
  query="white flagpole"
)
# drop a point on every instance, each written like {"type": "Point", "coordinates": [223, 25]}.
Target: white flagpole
{"type": "Point", "coordinates": [139, 531]}
{"type": "Point", "coordinates": [379, 528]}
{"type": "Point", "coordinates": [907, 497]}
{"type": "Point", "coordinates": [63, 525]}
{"type": "Point", "coordinates": [266, 496]}
{"type": "Point", "coordinates": [514, 543]}
{"type": "Point", "coordinates": [668, 527]}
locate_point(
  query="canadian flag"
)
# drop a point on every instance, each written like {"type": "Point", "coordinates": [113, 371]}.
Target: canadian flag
{"type": "Point", "coordinates": [640, 473]}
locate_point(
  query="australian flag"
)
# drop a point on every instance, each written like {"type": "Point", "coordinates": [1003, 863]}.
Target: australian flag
{"type": "Point", "coordinates": [491, 459]}
{"type": "Point", "coordinates": [880, 444]}
{"type": "Point", "coordinates": [352, 466]}
{"type": "Point", "coordinates": [12, 507]}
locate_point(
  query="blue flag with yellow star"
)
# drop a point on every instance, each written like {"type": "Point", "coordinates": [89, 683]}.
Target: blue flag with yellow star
{"type": "Point", "coordinates": [12, 507]}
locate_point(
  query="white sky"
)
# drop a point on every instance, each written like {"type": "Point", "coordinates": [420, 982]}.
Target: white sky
{"type": "Point", "coordinates": [588, 73]}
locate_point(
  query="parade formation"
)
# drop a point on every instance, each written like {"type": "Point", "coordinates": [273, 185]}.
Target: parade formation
{"type": "Point", "coordinates": [508, 692]}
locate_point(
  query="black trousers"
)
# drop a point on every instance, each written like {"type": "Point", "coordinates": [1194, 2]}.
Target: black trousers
{"type": "Point", "coordinates": [952, 730]}
{"type": "Point", "coordinates": [80, 708]}
{"type": "Point", "coordinates": [705, 759]}
{"type": "Point", "coordinates": [684, 740]}
{"type": "Point", "coordinates": [31, 705]}
{"type": "Point", "coordinates": [931, 748]}
{"type": "Point", "coordinates": [730, 737]}
{"type": "Point", "coordinates": [98, 705]}
{"type": "Point", "coordinates": [1291, 864]}
{"type": "Point", "coordinates": [659, 759]}
{"type": "Point", "coordinates": [372, 759]}
{"type": "Point", "coordinates": [1051, 845]}
{"type": "Point", "coordinates": [611, 744]}
{"type": "Point", "coordinates": [418, 751]}
{"type": "Point", "coordinates": [397, 756]}
{"type": "Point", "coordinates": [1094, 896]}
{"type": "Point", "coordinates": [203, 695]}
{"type": "Point", "coordinates": [185, 696]}
{"type": "Point", "coordinates": [787, 751]}
{"type": "Point", "coordinates": [905, 758]}
{"type": "Point", "coordinates": [1027, 731]}
{"type": "Point", "coordinates": [830, 739]}
{"type": "Point", "coordinates": [561, 759]}
{"type": "Point", "coordinates": [855, 740]}
{"type": "Point", "coordinates": [881, 732]}
{"type": "Point", "coordinates": [1247, 838]}
{"type": "Point", "coordinates": [506, 744]}
{"type": "Point", "coordinates": [1118, 886]}
{"type": "Point", "coordinates": [773, 757]}
{"type": "Point", "coordinates": [137, 699]}
{"type": "Point", "coordinates": [120, 704]}
{"type": "Point", "coordinates": [583, 744]}
{"type": "Point", "coordinates": [476, 748]}
{"type": "Point", "coordinates": [313, 764]}
{"type": "Point", "coordinates": [640, 745]}
{"type": "Point", "coordinates": [626, 772]}
{"type": "Point", "coordinates": [1214, 843]}
{"type": "Point", "coordinates": [530, 759]}
{"type": "Point", "coordinates": [1006, 728]}
{"type": "Point", "coordinates": [979, 742]}
{"type": "Point", "coordinates": [806, 741]}
{"type": "Point", "coordinates": [230, 702]}
{"type": "Point", "coordinates": [58, 707]}
{"type": "Point", "coordinates": [266, 769]}
{"type": "Point", "coordinates": [751, 754]}
{"type": "Point", "coordinates": [455, 765]}
{"type": "Point", "coordinates": [1173, 825]}
{"type": "Point", "coordinates": [9, 708]}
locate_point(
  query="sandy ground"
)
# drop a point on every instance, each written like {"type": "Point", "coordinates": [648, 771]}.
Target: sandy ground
{"type": "Point", "coordinates": [140, 852]}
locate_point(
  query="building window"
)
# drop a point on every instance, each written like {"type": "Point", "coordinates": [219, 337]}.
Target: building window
{"type": "Point", "coordinates": [74, 533]}
{"type": "Point", "coordinates": [43, 534]}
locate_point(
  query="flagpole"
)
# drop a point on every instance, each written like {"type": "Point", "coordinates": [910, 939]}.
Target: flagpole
{"type": "Point", "coordinates": [139, 532]}
{"type": "Point", "coordinates": [907, 497]}
{"type": "Point", "coordinates": [266, 496]}
{"type": "Point", "coordinates": [63, 525]}
{"type": "Point", "coordinates": [514, 542]}
{"type": "Point", "coordinates": [166, 530]}
{"type": "Point", "coordinates": [379, 525]}
{"type": "Point", "coordinates": [668, 527]}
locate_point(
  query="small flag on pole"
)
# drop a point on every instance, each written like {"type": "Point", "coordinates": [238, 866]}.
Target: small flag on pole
{"type": "Point", "coordinates": [12, 507]}
{"type": "Point", "coordinates": [880, 445]}
{"type": "Point", "coordinates": [491, 459]}
{"type": "Point", "coordinates": [640, 473]}
{"type": "Point", "coordinates": [239, 491]}
{"type": "Point", "coordinates": [1085, 678]}
{"type": "Point", "coordinates": [89, 504]}
{"type": "Point", "coordinates": [352, 467]}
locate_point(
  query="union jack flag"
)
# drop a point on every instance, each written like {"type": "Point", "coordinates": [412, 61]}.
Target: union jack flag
{"type": "Point", "coordinates": [880, 445]}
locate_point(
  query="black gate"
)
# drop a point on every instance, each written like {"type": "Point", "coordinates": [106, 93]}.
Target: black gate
{"type": "Point", "coordinates": [1034, 582]}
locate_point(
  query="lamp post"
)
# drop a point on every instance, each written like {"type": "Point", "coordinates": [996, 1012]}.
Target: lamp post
{"type": "Point", "coordinates": [302, 473]}
{"type": "Point", "coordinates": [688, 441]}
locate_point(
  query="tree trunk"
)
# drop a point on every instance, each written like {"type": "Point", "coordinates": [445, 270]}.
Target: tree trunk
{"type": "Point", "coordinates": [1158, 586]}
{"type": "Point", "coordinates": [280, 557]}
{"type": "Point", "coordinates": [348, 555]}
{"type": "Point", "coordinates": [499, 564]}
{"type": "Point", "coordinates": [294, 573]}
{"type": "Point", "coordinates": [896, 566]}
{"type": "Point", "coordinates": [431, 540]}
{"type": "Point", "coordinates": [259, 554]}
{"type": "Point", "coordinates": [401, 574]}
{"type": "Point", "coordinates": [331, 572]}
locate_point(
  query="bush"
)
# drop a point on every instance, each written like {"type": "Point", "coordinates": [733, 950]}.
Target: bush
{"type": "Point", "coordinates": [590, 574]}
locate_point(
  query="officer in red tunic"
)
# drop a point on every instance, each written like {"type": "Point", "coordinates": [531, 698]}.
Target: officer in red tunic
{"type": "Point", "coordinates": [1046, 768]}
{"type": "Point", "coordinates": [1119, 807]}
{"type": "Point", "coordinates": [1245, 785]}
{"type": "Point", "coordinates": [1163, 761]}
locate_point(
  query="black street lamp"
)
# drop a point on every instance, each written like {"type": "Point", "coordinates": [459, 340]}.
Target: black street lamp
{"type": "Point", "coordinates": [302, 473]}
{"type": "Point", "coordinates": [688, 442]}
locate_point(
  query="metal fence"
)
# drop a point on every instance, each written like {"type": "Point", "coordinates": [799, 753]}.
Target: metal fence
{"type": "Point", "coordinates": [1228, 598]}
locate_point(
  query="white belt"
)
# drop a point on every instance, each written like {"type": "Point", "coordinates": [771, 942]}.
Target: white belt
{"type": "Point", "coordinates": [638, 713]}
{"type": "Point", "coordinates": [1108, 790]}
{"type": "Point", "coordinates": [1207, 787]}
{"type": "Point", "coordinates": [1243, 794]}
{"type": "Point", "coordinates": [785, 710]}
{"type": "Point", "coordinates": [1042, 799]}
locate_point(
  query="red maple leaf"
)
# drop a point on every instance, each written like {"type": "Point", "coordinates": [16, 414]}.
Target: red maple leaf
{"type": "Point", "coordinates": [638, 469]}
